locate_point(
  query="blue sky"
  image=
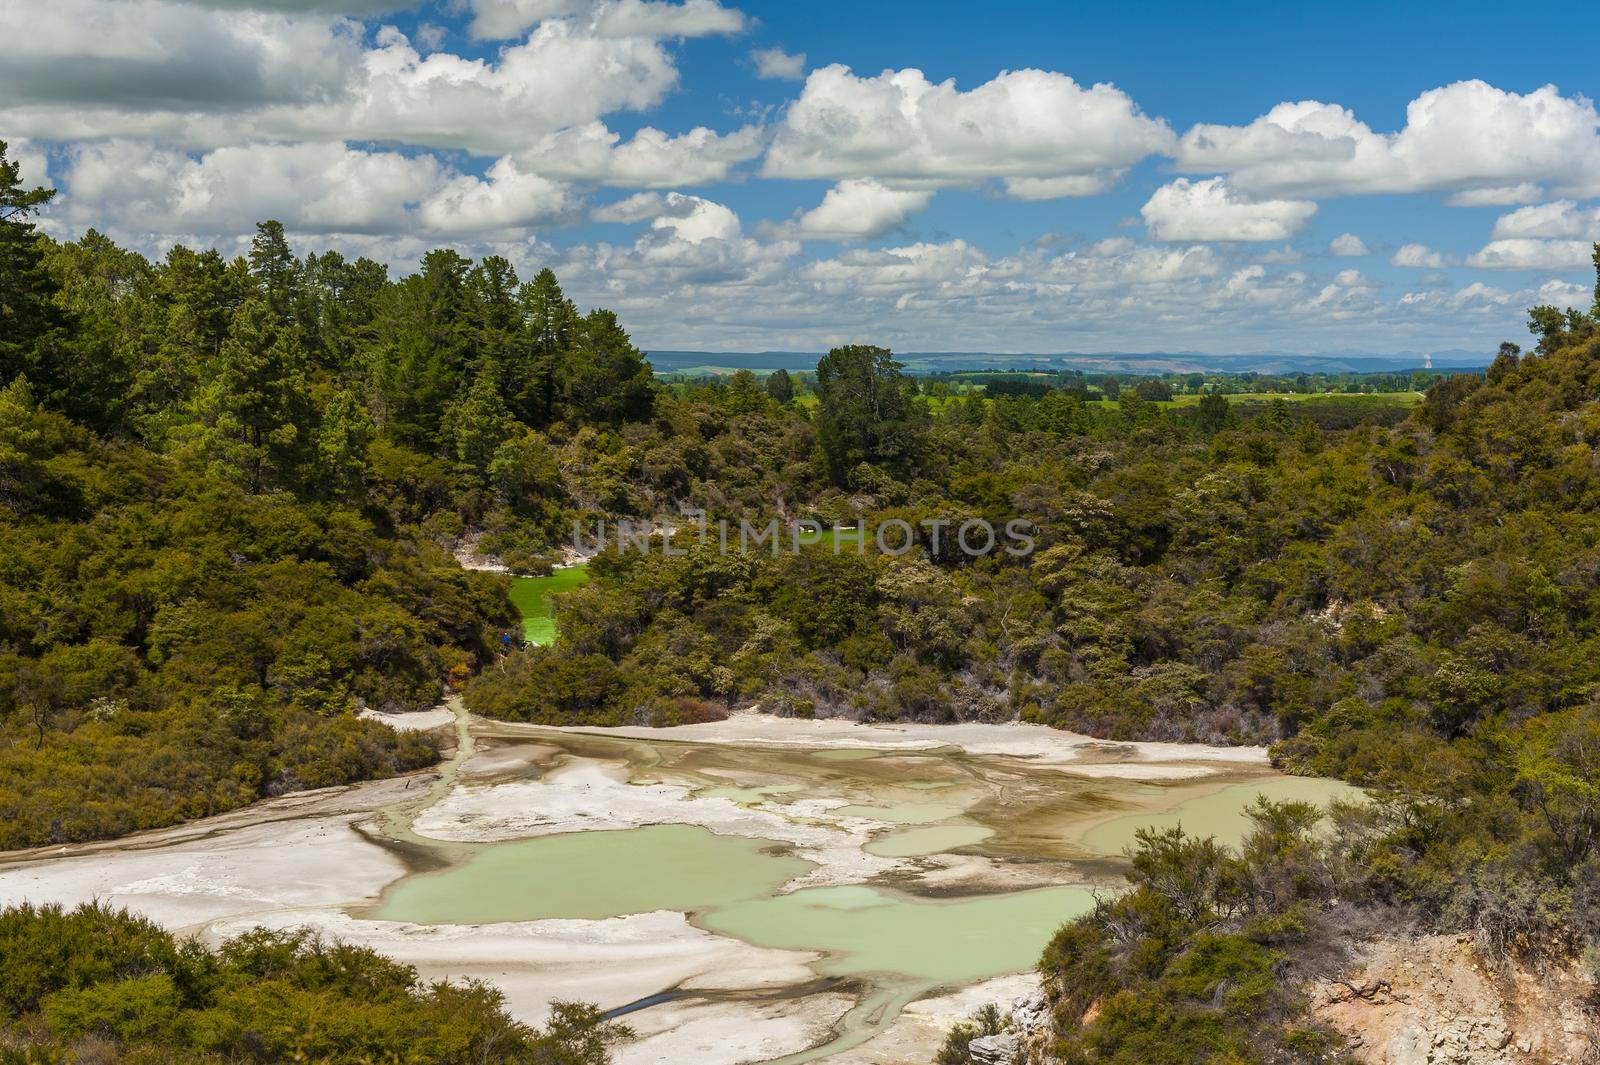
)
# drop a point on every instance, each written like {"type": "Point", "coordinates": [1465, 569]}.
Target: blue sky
{"type": "Point", "coordinates": [1232, 178]}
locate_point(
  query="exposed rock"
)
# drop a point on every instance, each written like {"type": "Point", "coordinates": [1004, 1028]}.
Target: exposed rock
{"type": "Point", "coordinates": [1432, 1001]}
{"type": "Point", "coordinates": [1001, 1049]}
{"type": "Point", "coordinates": [1030, 1014]}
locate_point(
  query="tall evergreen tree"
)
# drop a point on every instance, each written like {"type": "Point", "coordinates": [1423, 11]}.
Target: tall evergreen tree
{"type": "Point", "coordinates": [607, 377]}
{"type": "Point", "coordinates": [868, 411]}
{"type": "Point", "coordinates": [275, 269]}
{"type": "Point", "coordinates": [780, 386]}
{"type": "Point", "coordinates": [551, 321]}
{"type": "Point", "coordinates": [30, 319]}
{"type": "Point", "coordinates": [425, 368]}
{"type": "Point", "coordinates": [250, 408]}
{"type": "Point", "coordinates": [477, 424]}
{"type": "Point", "coordinates": [343, 433]}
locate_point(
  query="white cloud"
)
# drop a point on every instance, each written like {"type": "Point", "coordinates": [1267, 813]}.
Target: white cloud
{"type": "Point", "coordinates": [560, 76]}
{"type": "Point", "coordinates": [1462, 137]}
{"type": "Point", "coordinates": [1528, 254]}
{"type": "Point", "coordinates": [332, 7]}
{"type": "Point", "coordinates": [33, 167]}
{"type": "Point", "coordinates": [636, 208]}
{"type": "Point", "coordinates": [326, 87]}
{"type": "Point", "coordinates": [1200, 211]}
{"type": "Point", "coordinates": [1030, 188]}
{"type": "Point", "coordinates": [151, 55]}
{"type": "Point", "coordinates": [1562, 218]}
{"type": "Point", "coordinates": [1349, 245]}
{"type": "Point", "coordinates": [1566, 295]}
{"type": "Point", "coordinates": [503, 19]}
{"type": "Point", "coordinates": [648, 18]}
{"type": "Point", "coordinates": [778, 65]}
{"type": "Point", "coordinates": [1498, 196]}
{"type": "Point", "coordinates": [691, 219]}
{"type": "Point", "coordinates": [593, 154]}
{"type": "Point", "coordinates": [895, 271]}
{"type": "Point", "coordinates": [856, 209]}
{"type": "Point", "coordinates": [901, 129]}
{"type": "Point", "coordinates": [507, 197]}
{"type": "Point", "coordinates": [1478, 292]}
{"type": "Point", "coordinates": [694, 220]}
{"type": "Point", "coordinates": [1417, 255]}
{"type": "Point", "coordinates": [322, 187]}
{"type": "Point", "coordinates": [693, 264]}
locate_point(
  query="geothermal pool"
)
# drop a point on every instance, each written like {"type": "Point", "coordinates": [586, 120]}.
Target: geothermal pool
{"type": "Point", "coordinates": [757, 889]}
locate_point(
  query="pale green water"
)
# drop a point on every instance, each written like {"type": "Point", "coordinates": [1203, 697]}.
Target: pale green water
{"type": "Point", "coordinates": [592, 875]}
{"type": "Point", "coordinates": [933, 941]}
{"type": "Point", "coordinates": [531, 597]}
{"type": "Point", "coordinates": [1220, 814]}
{"type": "Point", "coordinates": [934, 839]}
{"type": "Point", "coordinates": [906, 813]}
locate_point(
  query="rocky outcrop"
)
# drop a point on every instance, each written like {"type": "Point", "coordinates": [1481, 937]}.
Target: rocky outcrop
{"type": "Point", "coordinates": [1026, 1032]}
{"type": "Point", "coordinates": [1002, 1049]}
{"type": "Point", "coordinates": [1433, 1001]}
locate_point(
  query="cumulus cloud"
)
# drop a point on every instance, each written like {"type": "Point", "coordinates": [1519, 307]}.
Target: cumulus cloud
{"type": "Point", "coordinates": [691, 219]}
{"type": "Point", "coordinates": [560, 76]}
{"type": "Point", "coordinates": [1498, 196]}
{"type": "Point", "coordinates": [1523, 253]}
{"type": "Point", "coordinates": [692, 264]}
{"type": "Point", "coordinates": [502, 19]}
{"type": "Point", "coordinates": [1417, 255]}
{"type": "Point", "coordinates": [593, 154]}
{"type": "Point", "coordinates": [33, 167]}
{"type": "Point", "coordinates": [778, 65]}
{"type": "Point", "coordinates": [332, 7]}
{"type": "Point", "coordinates": [856, 209]}
{"type": "Point", "coordinates": [321, 187]}
{"type": "Point", "coordinates": [507, 197]}
{"type": "Point", "coordinates": [328, 88]}
{"type": "Point", "coordinates": [892, 270]}
{"type": "Point", "coordinates": [1464, 137]}
{"type": "Point", "coordinates": [1348, 244]}
{"type": "Point", "coordinates": [636, 208]}
{"type": "Point", "coordinates": [1200, 211]}
{"type": "Point", "coordinates": [648, 18]}
{"type": "Point", "coordinates": [1562, 218]}
{"type": "Point", "coordinates": [1027, 126]}
{"type": "Point", "coordinates": [147, 55]}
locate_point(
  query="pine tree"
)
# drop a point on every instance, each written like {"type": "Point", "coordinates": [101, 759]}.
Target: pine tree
{"type": "Point", "coordinates": [31, 321]}
{"type": "Point", "coordinates": [343, 434]}
{"type": "Point", "coordinates": [780, 386]}
{"type": "Point", "coordinates": [252, 403]}
{"type": "Point", "coordinates": [536, 377]}
{"type": "Point", "coordinates": [607, 377]}
{"type": "Point", "coordinates": [477, 424]}
{"type": "Point", "coordinates": [745, 393]}
{"type": "Point", "coordinates": [426, 368]}
{"type": "Point", "coordinates": [275, 269]}
{"type": "Point", "coordinates": [867, 412]}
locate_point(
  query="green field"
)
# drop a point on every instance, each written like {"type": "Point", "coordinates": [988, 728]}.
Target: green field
{"type": "Point", "coordinates": [532, 598]}
{"type": "Point", "coordinates": [1379, 399]}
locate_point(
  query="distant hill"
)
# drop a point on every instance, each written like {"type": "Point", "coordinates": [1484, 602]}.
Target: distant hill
{"type": "Point", "coordinates": [1151, 362]}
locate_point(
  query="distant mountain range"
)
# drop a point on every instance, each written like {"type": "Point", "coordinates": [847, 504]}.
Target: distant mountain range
{"type": "Point", "coordinates": [1146, 362]}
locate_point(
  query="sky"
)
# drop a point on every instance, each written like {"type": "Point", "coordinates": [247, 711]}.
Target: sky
{"type": "Point", "coordinates": [1006, 177]}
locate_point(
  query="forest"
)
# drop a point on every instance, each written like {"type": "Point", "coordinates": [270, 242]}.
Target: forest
{"type": "Point", "coordinates": [100, 985]}
{"type": "Point", "coordinates": [230, 490]}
